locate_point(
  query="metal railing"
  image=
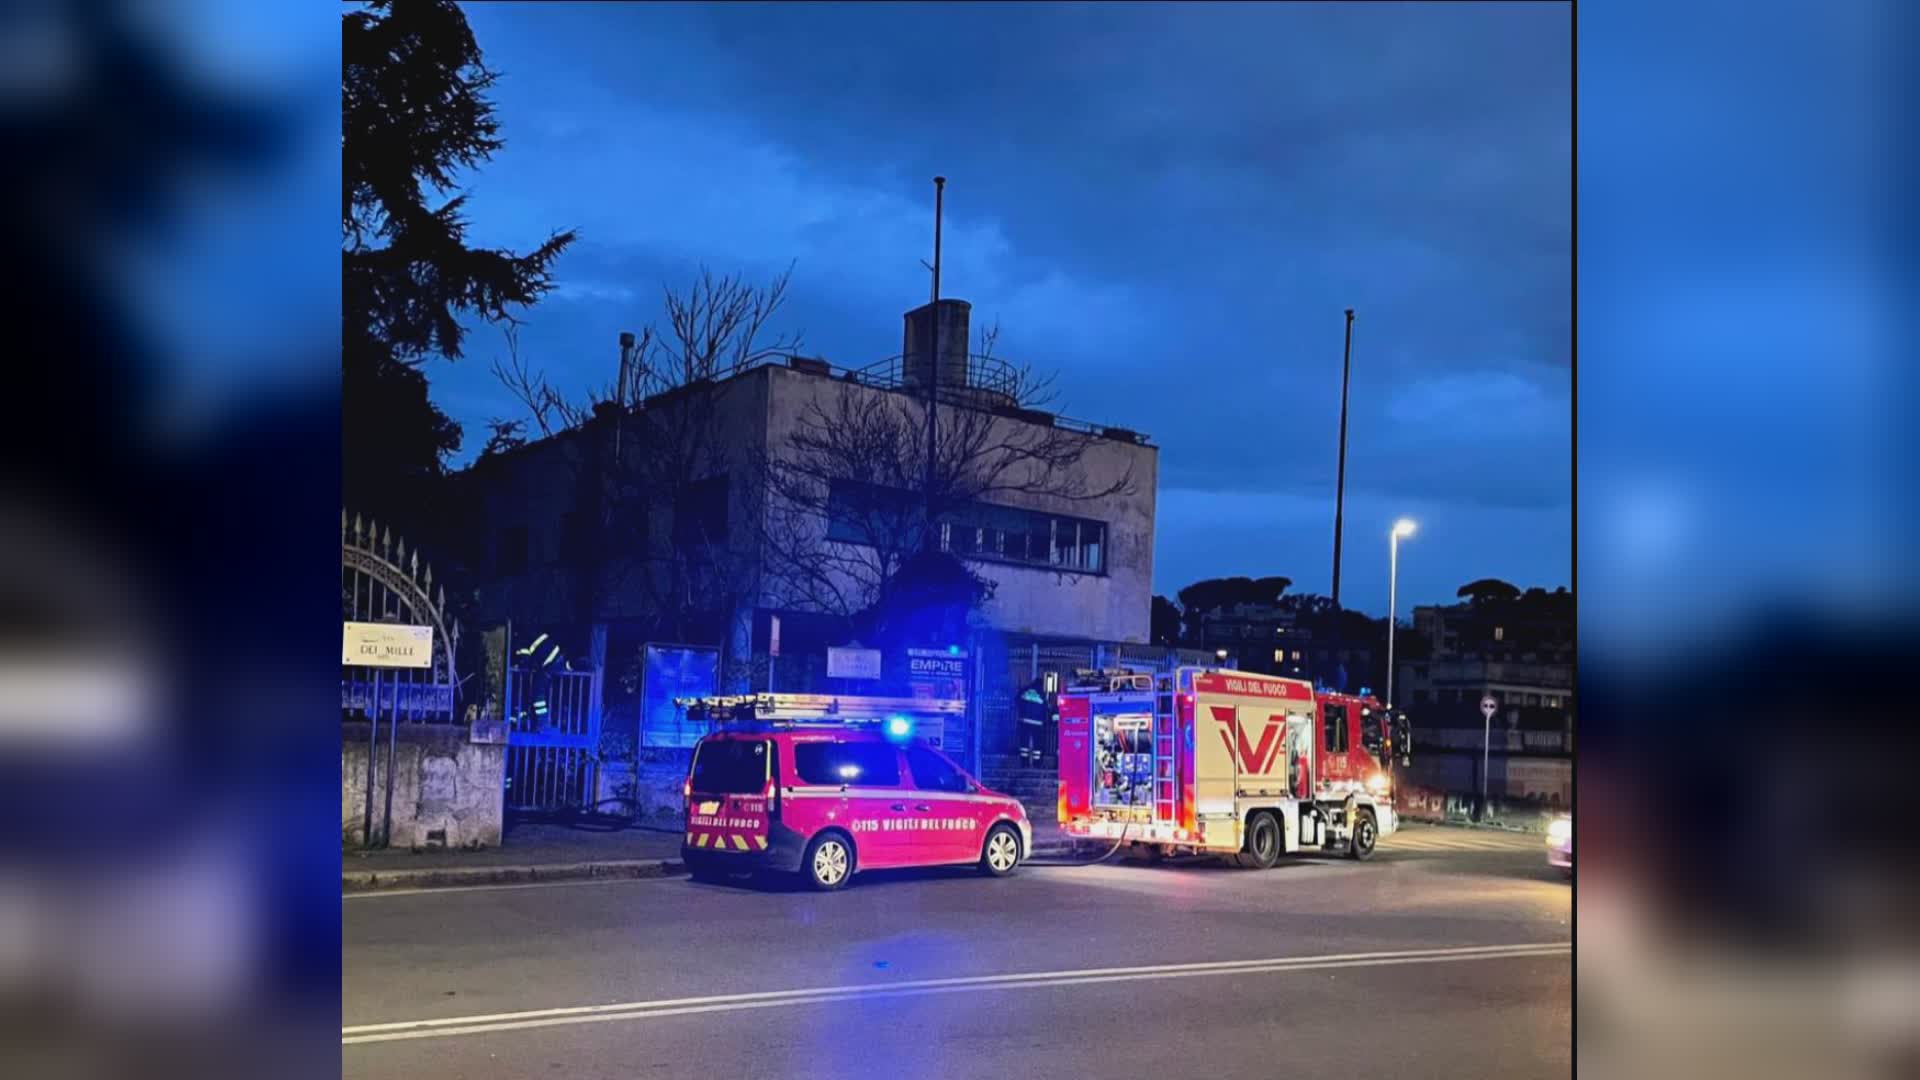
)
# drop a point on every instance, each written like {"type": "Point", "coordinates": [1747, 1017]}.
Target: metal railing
{"type": "Point", "coordinates": [992, 385]}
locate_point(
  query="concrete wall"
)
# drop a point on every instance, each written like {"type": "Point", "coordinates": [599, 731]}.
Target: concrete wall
{"type": "Point", "coordinates": [1112, 606]}
{"type": "Point", "coordinates": [651, 789]}
{"type": "Point", "coordinates": [446, 784]}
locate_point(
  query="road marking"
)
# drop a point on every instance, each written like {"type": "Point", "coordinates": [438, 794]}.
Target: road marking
{"type": "Point", "coordinates": [647, 1010]}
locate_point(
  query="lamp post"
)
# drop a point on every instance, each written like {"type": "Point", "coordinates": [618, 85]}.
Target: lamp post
{"type": "Point", "coordinates": [1403, 527]}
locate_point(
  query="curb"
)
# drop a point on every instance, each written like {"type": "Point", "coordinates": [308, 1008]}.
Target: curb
{"type": "Point", "coordinates": [450, 876]}
{"type": "Point", "coordinates": [1491, 826]}
{"type": "Point", "coordinates": [361, 881]}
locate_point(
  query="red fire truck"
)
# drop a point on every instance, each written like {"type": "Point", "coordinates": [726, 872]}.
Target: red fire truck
{"type": "Point", "coordinates": [1204, 760]}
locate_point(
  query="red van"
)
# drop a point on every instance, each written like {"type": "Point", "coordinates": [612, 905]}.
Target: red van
{"type": "Point", "coordinates": [830, 801]}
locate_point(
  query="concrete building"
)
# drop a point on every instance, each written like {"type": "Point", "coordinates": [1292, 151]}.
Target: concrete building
{"type": "Point", "coordinates": [589, 537]}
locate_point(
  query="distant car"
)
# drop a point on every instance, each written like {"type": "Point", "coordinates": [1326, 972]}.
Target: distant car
{"type": "Point", "coordinates": [828, 802]}
{"type": "Point", "coordinates": [1560, 843]}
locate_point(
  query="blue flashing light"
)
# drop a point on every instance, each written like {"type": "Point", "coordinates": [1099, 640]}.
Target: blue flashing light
{"type": "Point", "coordinates": [899, 727]}
{"type": "Point", "coordinates": [953, 650]}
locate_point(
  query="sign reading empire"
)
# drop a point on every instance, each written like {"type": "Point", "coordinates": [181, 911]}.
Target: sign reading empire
{"type": "Point", "coordinates": [388, 645]}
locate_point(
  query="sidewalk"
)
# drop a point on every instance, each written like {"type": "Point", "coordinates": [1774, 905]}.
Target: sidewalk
{"type": "Point", "coordinates": [553, 853]}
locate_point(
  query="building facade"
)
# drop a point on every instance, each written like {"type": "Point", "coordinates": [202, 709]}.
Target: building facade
{"type": "Point", "coordinates": [1516, 654]}
{"type": "Point", "coordinates": [757, 514]}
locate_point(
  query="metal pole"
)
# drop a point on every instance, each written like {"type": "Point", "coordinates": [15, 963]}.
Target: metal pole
{"type": "Point", "coordinates": [1486, 744]}
{"type": "Point", "coordinates": [373, 753]}
{"type": "Point", "coordinates": [393, 739]}
{"type": "Point", "coordinates": [1393, 584]}
{"type": "Point", "coordinates": [1340, 488]}
{"type": "Point", "coordinates": [933, 361]}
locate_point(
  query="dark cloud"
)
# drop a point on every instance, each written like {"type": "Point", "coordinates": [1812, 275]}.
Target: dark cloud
{"type": "Point", "coordinates": [1169, 204]}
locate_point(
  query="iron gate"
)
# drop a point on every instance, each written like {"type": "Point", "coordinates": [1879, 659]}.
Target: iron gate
{"type": "Point", "coordinates": [553, 740]}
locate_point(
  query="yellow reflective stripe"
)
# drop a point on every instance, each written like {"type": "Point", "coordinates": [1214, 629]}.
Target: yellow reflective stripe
{"type": "Point", "coordinates": [740, 842]}
{"type": "Point", "coordinates": [760, 842]}
{"type": "Point", "coordinates": [701, 841]}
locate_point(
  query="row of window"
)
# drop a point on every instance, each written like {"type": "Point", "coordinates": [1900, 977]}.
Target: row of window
{"type": "Point", "coordinates": [700, 518]}
{"type": "Point", "coordinates": [1459, 697]}
{"type": "Point", "coordinates": [865, 513]}
{"type": "Point", "coordinates": [857, 514]}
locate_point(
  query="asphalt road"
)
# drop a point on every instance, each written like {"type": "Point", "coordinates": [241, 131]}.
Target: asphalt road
{"type": "Point", "coordinates": [1412, 965]}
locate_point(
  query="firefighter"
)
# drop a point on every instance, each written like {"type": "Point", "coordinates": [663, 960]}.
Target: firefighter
{"type": "Point", "coordinates": [1033, 710]}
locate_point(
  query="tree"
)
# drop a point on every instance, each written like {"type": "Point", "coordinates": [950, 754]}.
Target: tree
{"type": "Point", "coordinates": [414, 115]}
{"type": "Point", "coordinates": [650, 462]}
{"type": "Point", "coordinates": [1228, 592]}
{"type": "Point", "coordinates": [1165, 622]}
{"type": "Point", "coordinates": [1487, 590]}
{"type": "Point", "coordinates": [847, 488]}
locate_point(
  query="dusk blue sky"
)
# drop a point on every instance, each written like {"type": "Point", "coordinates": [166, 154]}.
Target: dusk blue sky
{"type": "Point", "coordinates": [1169, 206]}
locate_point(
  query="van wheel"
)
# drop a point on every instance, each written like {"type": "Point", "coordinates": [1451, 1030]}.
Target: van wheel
{"type": "Point", "coordinates": [1366, 833]}
{"type": "Point", "coordinates": [1263, 842]}
{"type": "Point", "coordinates": [828, 862]}
{"type": "Point", "coordinates": [1002, 851]}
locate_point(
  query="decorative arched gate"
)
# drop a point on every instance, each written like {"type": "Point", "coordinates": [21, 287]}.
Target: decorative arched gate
{"type": "Point", "coordinates": [382, 582]}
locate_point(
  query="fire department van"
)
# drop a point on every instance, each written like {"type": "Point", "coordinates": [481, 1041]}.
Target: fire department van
{"type": "Point", "coordinates": [828, 787]}
{"type": "Point", "coordinates": [1227, 762]}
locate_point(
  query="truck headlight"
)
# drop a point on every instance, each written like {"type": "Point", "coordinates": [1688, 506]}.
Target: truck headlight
{"type": "Point", "coordinates": [1560, 832]}
{"type": "Point", "coordinates": [1377, 783]}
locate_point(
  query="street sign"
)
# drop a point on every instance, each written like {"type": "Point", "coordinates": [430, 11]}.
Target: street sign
{"type": "Point", "coordinates": [853, 663]}
{"type": "Point", "coordinates": [1488, 707]}
{"type": "Point", "coordinates": [387, 645]}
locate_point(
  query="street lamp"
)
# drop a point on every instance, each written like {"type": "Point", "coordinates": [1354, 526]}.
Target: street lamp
{"type": "Point", "coordinates": [1220, 655]}
{"type": "Point", "coordinates": [1403, 527]}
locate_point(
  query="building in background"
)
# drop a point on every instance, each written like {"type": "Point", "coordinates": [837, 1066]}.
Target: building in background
{"type": "Point", "coordinates": [1516, 651]}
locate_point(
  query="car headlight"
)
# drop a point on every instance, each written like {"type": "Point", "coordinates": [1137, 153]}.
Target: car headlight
{"type": "Point", "coordinates": [1560, 832]}
{"type": "Point", "coordinates": [1377, 783]}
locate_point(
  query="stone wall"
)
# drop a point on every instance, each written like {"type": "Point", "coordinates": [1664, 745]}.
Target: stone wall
{"type": "Point", "coordinates": [450, 791]}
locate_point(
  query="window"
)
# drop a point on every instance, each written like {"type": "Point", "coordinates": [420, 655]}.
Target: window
{"type": "Point", "coordinates": [860, 513]}
{"type": "Point", "coordinates": [730, 767]}
{"type": "Point", "coordinates": [576, 538]}
{"type": "Point", "coordinates": [1281, 654]}
{"type": "Point", "coordinates": [1335, 735]}
{"type": "Point", "coordinates": [931, 772]}
{"type": "Point", "coordinates": [700, 514]}
{"type": "Point", "coordinates": [1296, 654]}
{"type": "Point", "coordinates": [510, 550]}
{"type": "Point", "coordinates": [863, 764]}
{"type": "Point", "coordinates": [1499, 633]}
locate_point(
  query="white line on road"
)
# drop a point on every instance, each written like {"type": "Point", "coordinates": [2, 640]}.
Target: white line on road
{"type": "Point", "coordinates": [646, 1010]}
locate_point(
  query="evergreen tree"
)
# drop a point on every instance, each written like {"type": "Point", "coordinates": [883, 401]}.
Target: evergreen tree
{"type": "Point", "coordinates": [414, 115]}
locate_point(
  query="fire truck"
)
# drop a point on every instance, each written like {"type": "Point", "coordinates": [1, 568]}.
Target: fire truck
{"type": "Point", "coordinates": [1206, 760]}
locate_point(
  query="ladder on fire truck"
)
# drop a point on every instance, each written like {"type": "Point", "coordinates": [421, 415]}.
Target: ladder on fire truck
{"type": "Point", "coordinates": [1165, 736]}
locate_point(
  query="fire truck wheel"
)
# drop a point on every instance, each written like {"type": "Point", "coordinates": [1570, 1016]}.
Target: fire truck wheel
{"type": "Point", "coordinates": [1366, 832]}
{"type": "Point", "coordinates": [1002, 851]}
{"type": "Point", "coordinates": [1263, 842]}
{"type": "Point", "coordinates": [828, 862]}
